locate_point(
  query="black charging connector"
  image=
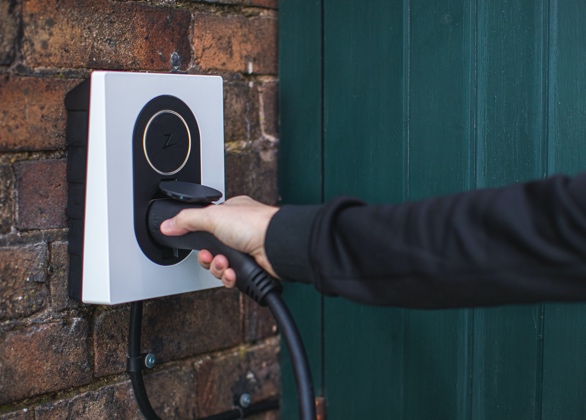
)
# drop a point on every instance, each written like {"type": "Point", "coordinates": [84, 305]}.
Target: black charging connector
{"type": "Point", "coordinates": [251, 279]}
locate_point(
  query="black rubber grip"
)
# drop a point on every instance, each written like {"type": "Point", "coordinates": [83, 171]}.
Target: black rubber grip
{"type": "Point", "coordinates": [251, 279]}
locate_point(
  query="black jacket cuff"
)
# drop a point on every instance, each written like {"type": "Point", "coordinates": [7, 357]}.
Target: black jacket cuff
{"type": "Point", "coordinates": [287, 242]}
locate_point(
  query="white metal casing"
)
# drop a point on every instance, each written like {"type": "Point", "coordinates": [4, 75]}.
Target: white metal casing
{"type": "Point", "coordinates": [115, 270]}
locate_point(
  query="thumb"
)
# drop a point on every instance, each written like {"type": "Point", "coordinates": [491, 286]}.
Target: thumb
{"type": "Point", "coordinates": [187, 220]}
{"type": "Point", "coordinates": [169, 227]}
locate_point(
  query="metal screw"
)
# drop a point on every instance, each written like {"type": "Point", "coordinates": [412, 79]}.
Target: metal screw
{"type": "Point", "coordinates": [150, 360]}
{"type": "Point", "coordinates": [245, 400]}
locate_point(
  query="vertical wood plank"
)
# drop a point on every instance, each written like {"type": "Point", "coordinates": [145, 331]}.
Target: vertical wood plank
{"type": "Point", "coordinates": [437, 342]}
{"type": "Point", "coordinates": [507, 341]}
{"type": "Point", "coordinates": [564, 359]}
{"type": "Point", "coordinates": [300, 165]}
{"type": "Point", "coordinates": [363, 157]}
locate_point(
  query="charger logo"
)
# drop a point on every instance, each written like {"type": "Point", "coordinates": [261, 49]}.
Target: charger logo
{"type": "Point", "coordinates": [168, 142]}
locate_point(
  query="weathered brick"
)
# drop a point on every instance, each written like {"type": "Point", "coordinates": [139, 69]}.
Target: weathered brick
{"type": "Point", "coordinates": [9, 16]}
{"type": "Point", "coordinates": [43, 358]}
{"type": "Point", "coordinates": [241, 111]}
{"type": "Point", "coordinates": [42, 194]}
{"type": "Point", "coordinates": [58, 277]}
{"type": "Point", "coordinates": [252, 170]}
{"type": "Point", "coordinates": [24, 414]}
{"type": "Point", "coordinates": [170, 392]}
{"type": "Point", "coordinates": [255, 372]}
{"type": "Point", "coordinates": [109, 402]}
{"type": "Point", "coordinates": [258, 321]}
{"type": "Point", "coordinates": [23, 275]}
{"type": "Point", "coordinates": [111, 341]}
{"type": "Point", "coordinates": [236, 43]}
{"type": "Point", "coordinates": [103, 34]}
{"type": "Point", "coordinates": [6, 202]}
{"type": "Point", "coordinates": [32, 114]}
{"type": "Point", "coordinates": [269, 110]}
{"type": "Point", "coordinates": [174, 327]}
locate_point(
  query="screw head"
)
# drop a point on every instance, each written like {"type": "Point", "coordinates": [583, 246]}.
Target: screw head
{"type": "Point", "coordinates": [150, 360]}
{"type": "Point", "coordinates": [245, 400]}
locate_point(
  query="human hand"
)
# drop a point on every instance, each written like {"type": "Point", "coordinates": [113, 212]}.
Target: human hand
{"type": "Point", "coordinates": [240, 222]}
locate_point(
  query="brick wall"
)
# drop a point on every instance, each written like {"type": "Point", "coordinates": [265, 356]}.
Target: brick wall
{"type": "Point", "coordinates": [60, 359]}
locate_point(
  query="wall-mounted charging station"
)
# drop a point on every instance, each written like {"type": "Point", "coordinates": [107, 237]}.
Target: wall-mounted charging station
{"type": "Point", "coordinates": [140, 146]}
{"type": "Point", "coordinates": [127, 133]}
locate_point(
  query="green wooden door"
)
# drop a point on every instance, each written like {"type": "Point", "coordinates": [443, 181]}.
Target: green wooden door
{"type": "Point", "coordinates": [394, 100]}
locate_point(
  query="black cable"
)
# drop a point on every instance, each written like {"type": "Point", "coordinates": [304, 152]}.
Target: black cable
{"type": "Point", "coordinates": [136, 378]}
{"type": "Point", "coordinates": [137, 381]}
{"type": "Point", "coordinates": [301, 370]}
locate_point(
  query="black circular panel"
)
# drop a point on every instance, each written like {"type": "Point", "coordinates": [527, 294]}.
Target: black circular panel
{"type": "Point", "coordinates": [167, 142]}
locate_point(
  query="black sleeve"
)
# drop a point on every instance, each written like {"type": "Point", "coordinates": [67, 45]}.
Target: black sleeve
{"type": "Point", "coordinates": [522, 243]}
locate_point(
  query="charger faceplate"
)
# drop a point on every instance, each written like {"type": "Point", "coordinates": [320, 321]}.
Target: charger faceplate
{"type": "Point", "coordinates": [108, 266]}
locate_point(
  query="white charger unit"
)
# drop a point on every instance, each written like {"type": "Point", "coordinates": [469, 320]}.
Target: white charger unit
{"type": "Point", "coordinates": [126, 133]}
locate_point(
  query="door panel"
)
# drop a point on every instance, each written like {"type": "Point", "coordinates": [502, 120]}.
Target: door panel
{"type": "Point", "coordinates": [363, 140]}
{"type": "Point", "coordinates": [393, 100]}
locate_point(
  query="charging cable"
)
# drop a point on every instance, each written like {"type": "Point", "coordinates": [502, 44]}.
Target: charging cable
{"type": "Point", "coordinates": [251, 280]}
{"type": "Point", "coordinates": [137, 362]}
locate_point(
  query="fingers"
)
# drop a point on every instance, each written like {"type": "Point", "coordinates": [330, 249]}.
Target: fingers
{"type": "Point", "coordinates": [219, 267]}
{"type": "Point", "coordinates": [204, 258]}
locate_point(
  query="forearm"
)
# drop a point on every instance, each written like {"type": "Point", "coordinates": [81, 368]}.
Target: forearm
{"type": "Point", "coordinates": [522, 243]}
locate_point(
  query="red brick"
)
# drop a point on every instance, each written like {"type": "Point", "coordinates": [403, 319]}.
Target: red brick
{"type": "Point", "coordinates": [236, 43]}
{"type": "Point", "coordinates": [42, 194]}
{"type": "Point", "coordinates": [32, 114]}
{"type": "Point", "coordinates": [43, 358]}
{"type": "Point", "coordinates": [24, 414]}
{"type": "Point", "coordinates": [109, 402]}
{"type": "Point", "coordinates": [9, 16]}
{"type": "Point", "coordinates": [23, 276]}
{"type": "Point", "coordinates": [241, 111]}
{"type": "Point", "coordinates": [269, 110]}
{"type": "Point", "coordinates": [104, 34]}
{"type": "Point", "coordinates": [111, 341]}
{"type": "Point", "coordinates": [255, 371]}
{"type": "Point", "coordinates": [6, 202]}
{"type": "Point", "coordinates": [58, 277]}
{"type": "Point", "coordinates": [173, 328]}
{"type": "Point", "coordinates": [170, 392]}
{"type": "Point", "coordinates": [252, 170]}
{"type": "Point", "coordinates": [258, 321]}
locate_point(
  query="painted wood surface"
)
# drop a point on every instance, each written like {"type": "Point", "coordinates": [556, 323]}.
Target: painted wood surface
{"type": "Point", "coordinates": [418, 98]}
